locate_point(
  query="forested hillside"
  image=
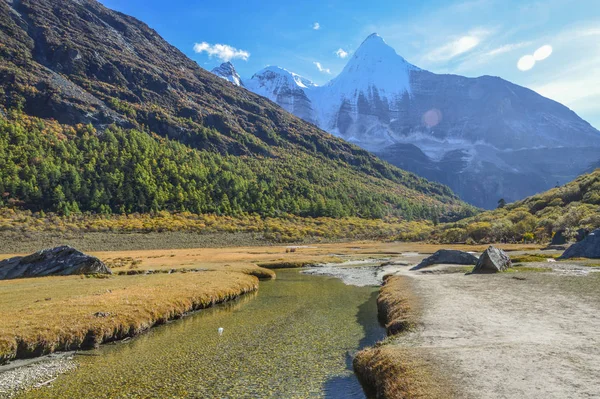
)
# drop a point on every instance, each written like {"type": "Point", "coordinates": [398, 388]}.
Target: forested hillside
{"type": "Point", "coordinates": [101, 114]}
{"type": "Point", "coordinates": [48, 166]}
{"type": "Point", "coordinates": [567, 208]}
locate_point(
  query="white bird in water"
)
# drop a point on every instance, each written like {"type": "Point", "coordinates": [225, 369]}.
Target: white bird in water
{"type": "Point", "coordinates": [220, 331]}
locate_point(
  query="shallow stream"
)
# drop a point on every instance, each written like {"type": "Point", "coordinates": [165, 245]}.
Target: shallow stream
{"type": "Point", "coordinates": [295, 338]}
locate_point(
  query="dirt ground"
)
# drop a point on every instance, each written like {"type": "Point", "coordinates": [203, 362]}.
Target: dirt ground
{"type": "Point", "coordinates": [512, 335]}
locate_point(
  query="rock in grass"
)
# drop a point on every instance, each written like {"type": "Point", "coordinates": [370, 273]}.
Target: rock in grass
{"type": "Point", "coordinates": [58, 261]}
{"type": "Point", "coordinates": [559, 238]}
{"type": "Point", "coordinates": [447, 256]}
{"type": "Point", "coordinates": [493, 260]}
{"type": "Point", "coordinates": [581, 234]}
{"type": "Point", "coordinates": [589, 247]}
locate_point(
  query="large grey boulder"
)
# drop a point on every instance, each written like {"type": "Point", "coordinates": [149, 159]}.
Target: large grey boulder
{"type": "Point", "coordinates": [581, 234]}
{"type": "Point", "coordinates": [58, 261]}
{"type": "Point", "coordinates": [559, 238]}
{"type": "Point", "coordinates": [493, 260]}
{"type": "Point", "coordinates": [447, 256]}
{"type": "Point", "coordinates": [589, 247]}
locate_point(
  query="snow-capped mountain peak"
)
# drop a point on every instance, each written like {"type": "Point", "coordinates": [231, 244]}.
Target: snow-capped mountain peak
{"type": "Point", "coordinates": [375, 49]}
{"type": "Point", "coordinates": [274, 76]}
{"type": "Point", "coordinates": [285, 88]}
{"type": "Point", "coordinates": [485, 137]}
{"type": "Point", "coordinates": [227, 71]}
{"type": "Point", "coordinates": [376, 64]}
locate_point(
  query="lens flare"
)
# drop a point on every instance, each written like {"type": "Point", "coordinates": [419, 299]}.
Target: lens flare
{"type": "Point", "coordinates": [526, 62]}
{"type": "Point", "coordinates": [432, 117]}
{"type": "Point", "coordinates": [543, 52]}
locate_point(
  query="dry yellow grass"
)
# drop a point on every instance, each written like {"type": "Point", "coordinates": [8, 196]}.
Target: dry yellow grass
{"type": "Point", "coordinates": [245, 258]}
{"type": "Point", "coordinates": [392, 371]}
{"type": "Point", "coordinates": [397, 305]}
{"type": "Point", "coordinates": [43, 315]}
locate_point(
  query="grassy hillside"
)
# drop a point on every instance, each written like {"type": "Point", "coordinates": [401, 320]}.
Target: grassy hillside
{"type": "Point", "coordinates": [570, 207]}
{"type": "Point", "coordinates": [102, 115]}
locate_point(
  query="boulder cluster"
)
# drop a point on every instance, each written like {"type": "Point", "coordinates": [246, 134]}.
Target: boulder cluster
{"type": "Point", "coordinates": [493, 260]}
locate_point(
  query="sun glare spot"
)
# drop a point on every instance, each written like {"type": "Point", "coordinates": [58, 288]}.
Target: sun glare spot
{"type": "Point", "coordinates": [543, 52]}
{"type": "Point", "coordinates": [526, 62]}
{"type": "Point", "coordinates": [432, 117]}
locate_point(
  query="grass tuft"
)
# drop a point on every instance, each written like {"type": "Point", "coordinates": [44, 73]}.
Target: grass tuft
{"type": "Point", "coordinates": [287, 264]}
{"type": "Point", "coordinates": [48, 314]}
{"type": "Point", "coordinates": [389, 370]}
{"type": "Point", "coordinates": [527, 258]}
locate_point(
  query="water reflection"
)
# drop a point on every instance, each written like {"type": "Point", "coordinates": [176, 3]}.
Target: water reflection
{"type": "Point", "coordinates": [293, 339]}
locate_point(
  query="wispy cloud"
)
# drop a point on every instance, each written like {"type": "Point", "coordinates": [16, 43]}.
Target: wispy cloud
{"type": "Point", "coordinates": [572, 79]}
{"type": "Point", "coordinates": [223, 52]}
{"type": "Point", "coordinates": [341, 53]}
{"type": "Point", "coordinates": [506, 48]}
{"type": "Point", "coordinates": [321, 69]}
{"type": "Point", "coordinates": [572, 91]}
{"type": "Point", "coordinates": [316, 26]}
{"type": "Point", "coordinates": [485, 56]}
{"type": "Point", "coordinates": [456, 47]}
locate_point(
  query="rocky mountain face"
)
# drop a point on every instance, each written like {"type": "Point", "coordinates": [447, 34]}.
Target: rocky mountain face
{"type": "Point", "coordinates": [97, 72]}
{"type": "Point", "coordinates": [227, 71]}
{"type": "Point", "coordinates": [286, 89]}
{"type": "Point", "coordinates": [484, 137]}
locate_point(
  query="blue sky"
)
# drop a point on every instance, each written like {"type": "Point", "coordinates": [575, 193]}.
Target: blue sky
{"type": "Point", "coordinates": [468, 37]}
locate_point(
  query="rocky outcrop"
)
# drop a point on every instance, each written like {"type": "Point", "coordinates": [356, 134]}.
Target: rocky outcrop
{"type": "Point", "coordinates": [493, 260]}
{"type": "Point", "coordinates": [227, 71]}
{"type": "Point", "coordinates": [58, 261]}
{"type": "Point", "coordinates": [447, 256]}
{"type": "Point", "coordinates": [587, 248]}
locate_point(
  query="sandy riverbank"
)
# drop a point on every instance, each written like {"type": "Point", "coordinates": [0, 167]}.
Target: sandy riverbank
{"type": "Point", "coordinates": [530, 333]}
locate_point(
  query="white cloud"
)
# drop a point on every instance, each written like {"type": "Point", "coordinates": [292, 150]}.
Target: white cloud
{"type": "Point", "coordinates": [316, 26]}
{"type": "Point", "coordinates": [456, 47]}
{"type": "Point", "coordinates": [223, 52]}
{"type": "Point", "coordinates": [321, 69]}
{"type": "Point", "coordinates": [341, 53]}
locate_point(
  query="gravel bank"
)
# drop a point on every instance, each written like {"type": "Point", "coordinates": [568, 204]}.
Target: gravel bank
{"type": "Point", "coordinates": [22, 375]}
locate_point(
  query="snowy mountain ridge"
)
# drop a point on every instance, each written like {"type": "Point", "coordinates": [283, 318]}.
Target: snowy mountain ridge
{"type": "Point", "coordinates": [485, 137]}
{"type": "Point", "coordinates": [227, 71]}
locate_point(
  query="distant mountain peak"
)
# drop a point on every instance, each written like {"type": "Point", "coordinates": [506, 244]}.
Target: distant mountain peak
{"type": "Point", "coordinates": [271, 72]}
{"type": "Point", "coordinates": [227, 71]}
{"type": "Point", "coordinates": [286, 88]}
{"type": "Point", "coordinates": [375, 50]}
{"type": "Point", "coordinates": [373, 40]}
{"type": "Point", "coordinates": [374, 69]}
{"type": "Point", "coordinates": [485, 137]}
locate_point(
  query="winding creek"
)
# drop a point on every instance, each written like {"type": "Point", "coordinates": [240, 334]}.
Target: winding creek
{"type": "Point", "coordinates": [295, 338]}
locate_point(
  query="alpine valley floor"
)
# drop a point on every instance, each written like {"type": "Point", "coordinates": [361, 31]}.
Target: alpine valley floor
{"type": "Point", "coordinates": [528, 333]}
